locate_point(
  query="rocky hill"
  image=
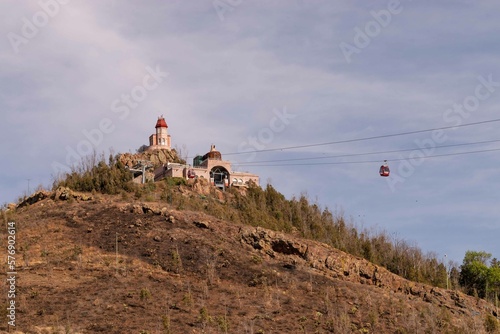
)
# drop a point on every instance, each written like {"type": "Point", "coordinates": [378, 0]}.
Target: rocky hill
{"type": "Point", "coordinates": [90, 263]}
{"type": "Point", "coordinates": [156, 157]}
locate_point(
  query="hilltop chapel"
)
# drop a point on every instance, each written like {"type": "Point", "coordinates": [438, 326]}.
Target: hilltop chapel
{"type": "Point", "coordinates": [209, 166]}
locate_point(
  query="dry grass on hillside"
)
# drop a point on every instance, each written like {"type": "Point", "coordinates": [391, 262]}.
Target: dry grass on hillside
{"type": "Point", "coordinates": [99, 267]}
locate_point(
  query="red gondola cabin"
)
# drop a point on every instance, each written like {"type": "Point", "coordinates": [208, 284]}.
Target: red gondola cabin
{"type": "Point", "coordinates": [384, 170]}
{"type": "Point", "coordinates": [191, 174]}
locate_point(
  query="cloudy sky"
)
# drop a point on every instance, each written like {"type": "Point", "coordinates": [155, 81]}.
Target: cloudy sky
{"type": "Point", "coordinates": [329, 88]}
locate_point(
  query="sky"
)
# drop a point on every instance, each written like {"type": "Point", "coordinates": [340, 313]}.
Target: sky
{"type": "Point", "coordinates": [311, 95]}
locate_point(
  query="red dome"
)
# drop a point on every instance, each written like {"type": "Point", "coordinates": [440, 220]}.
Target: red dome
{"type": "Point", "coordinates": [161, 123]}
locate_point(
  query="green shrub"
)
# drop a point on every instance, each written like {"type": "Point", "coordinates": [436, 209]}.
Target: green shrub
{"type": "Point", "coordinates": [145, 294]}
{"type": "Point", "coordinates": [175, 181]}
{"type": "Point", "coordinates": [491, 324]}
{"type": "Point", "coordinates": [107, 178]}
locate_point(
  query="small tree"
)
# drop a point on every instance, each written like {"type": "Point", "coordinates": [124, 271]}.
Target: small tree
{"type": "Point", "coordinates": [142, 149]}
{"type": "Point", "coordinates": [475, 272]}
{"type": "Point", "coordinates": [493, 284]}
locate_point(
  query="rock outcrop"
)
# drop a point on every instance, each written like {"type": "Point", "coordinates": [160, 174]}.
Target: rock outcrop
{"type": "Point", "coordinates": [35, 197]}
{"type": "Point", "coordinates": [157, 157]}
{"type": "Point", "coordinates": [64, 194]}
{"type": "Point", "coordinates": [334, 263]}
{"type": "Point", "coordinates": [145, 208]}
{"type": "Point", "coordinates": [202, 187]}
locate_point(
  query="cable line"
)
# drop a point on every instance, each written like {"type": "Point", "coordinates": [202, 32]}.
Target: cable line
{"type": "Point", "coordinates": [371, 161]}
{"type": "Point", "coordinates": [364, 138]}
{"type": "Point", "coordinates": [370, 153]}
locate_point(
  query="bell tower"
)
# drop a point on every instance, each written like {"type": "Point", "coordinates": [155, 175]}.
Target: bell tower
{"type": "Point", "coordinates": [161, 139]}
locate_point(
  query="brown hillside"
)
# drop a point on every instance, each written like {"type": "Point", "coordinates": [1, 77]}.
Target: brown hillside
{"type": "Point", "coordinates": [97, 264]}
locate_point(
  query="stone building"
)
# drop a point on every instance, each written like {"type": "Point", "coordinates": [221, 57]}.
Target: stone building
{"type": "Point", "coordinates": [209, 166]}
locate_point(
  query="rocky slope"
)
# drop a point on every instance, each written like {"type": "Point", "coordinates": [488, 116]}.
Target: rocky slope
{"type": "Point", "coordinates": [99, 264]}
{"type": "Point", "coordinates": [157, 157]}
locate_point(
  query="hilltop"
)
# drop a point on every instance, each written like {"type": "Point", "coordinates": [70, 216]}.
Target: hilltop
{"type": "Point", "coordinates": [95, 263]}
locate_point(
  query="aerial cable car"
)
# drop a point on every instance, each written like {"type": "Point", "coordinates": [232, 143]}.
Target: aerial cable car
{"type": "Point", "coordinates": [384, 169]}
{"type": "Point", "coordinates": [191, 174]}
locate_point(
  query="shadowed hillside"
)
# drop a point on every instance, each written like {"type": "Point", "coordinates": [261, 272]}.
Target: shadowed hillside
{"type": "Point", "coordinates": [93, 263]}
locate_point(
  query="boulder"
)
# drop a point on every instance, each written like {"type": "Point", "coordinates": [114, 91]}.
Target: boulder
{"type": "Point", "coordinates": [164, 211]}
{"type": "Point", "coordinates": [65, 193]}
{"type": "Point", "coordinates": [150, 208]}
{"type": "Point", "coordinates": [35, 197]}
{"type": "Point", "coordinates": [201, 224]}
{"type": "Point", "coordinates": [201, 186]}
{"type": "Point", "coordinates": [136, 208]}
